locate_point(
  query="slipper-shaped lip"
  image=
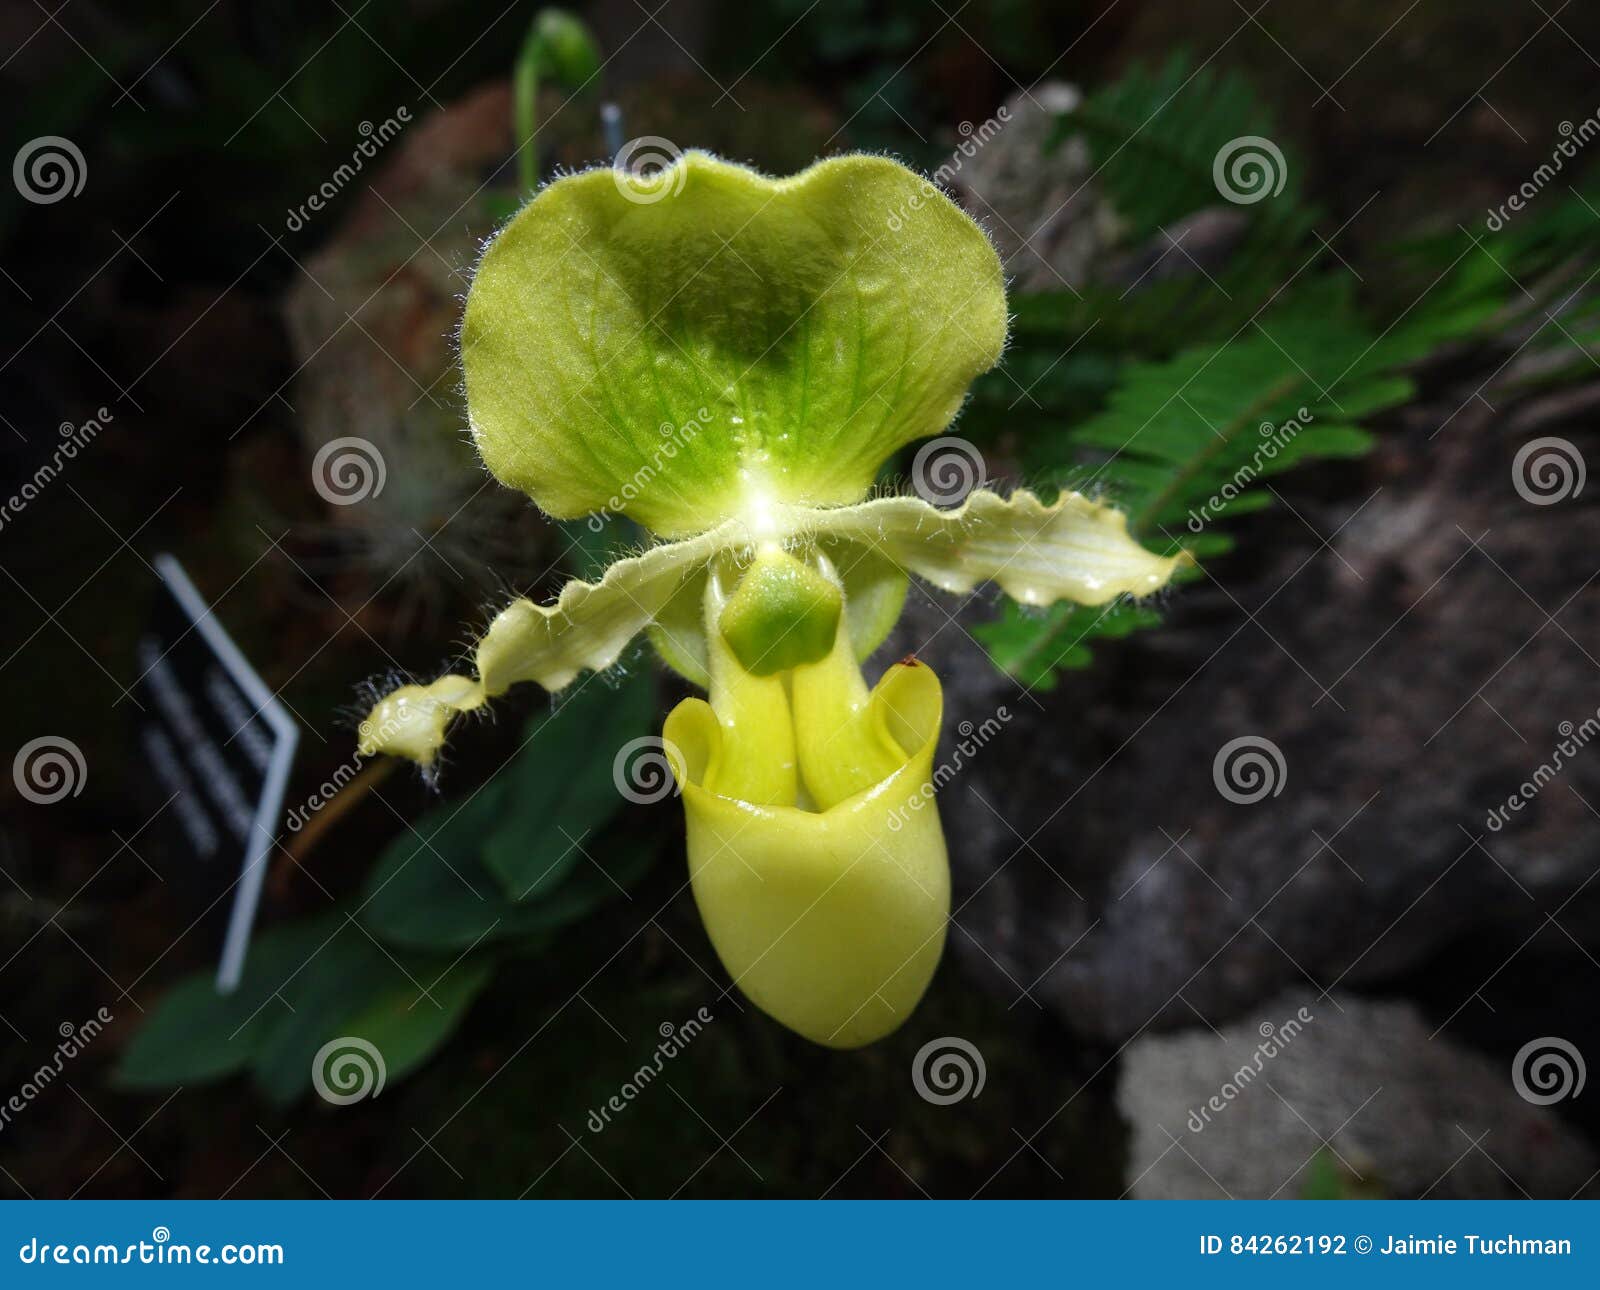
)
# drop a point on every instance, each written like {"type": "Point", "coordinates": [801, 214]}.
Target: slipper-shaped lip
{"type": "Point", "coordinates": [831, 921]}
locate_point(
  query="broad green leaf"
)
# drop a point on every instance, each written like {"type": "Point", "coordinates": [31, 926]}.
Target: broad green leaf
{"type": "Point", "coordinates": [431, 889]}
{"type": "Point", "coordinates": [700, 343]}
{"type": "Point", "coordinates": [562, 788]}
{"type": "Point", "coordinates": [347, 970]}
{"type": "Point", "coordinates": [405, 1004]}
{"type": "Point", "coordinates": [197, 1034]}
{"type": "Point", "coordinates": [406, 1028]}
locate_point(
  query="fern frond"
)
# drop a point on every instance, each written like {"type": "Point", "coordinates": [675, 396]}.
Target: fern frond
{"type": "Point", "coordinates": [1189, 442]}
{"type": "Point", "coordinates": [1155, 134]}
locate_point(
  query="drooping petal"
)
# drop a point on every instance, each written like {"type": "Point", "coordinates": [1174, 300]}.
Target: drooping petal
{"type": "Point", "coordinates": [706, 341]}
{"type": "Point", "coordinates": [587, 627]}
{"type": "Point", "coordinates": [1074, 549]}
{"type": "Point", "coordinates": [831, 921]}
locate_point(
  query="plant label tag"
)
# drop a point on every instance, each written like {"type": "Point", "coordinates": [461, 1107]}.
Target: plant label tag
{"type": "Point", "coordinates": [219, 745]}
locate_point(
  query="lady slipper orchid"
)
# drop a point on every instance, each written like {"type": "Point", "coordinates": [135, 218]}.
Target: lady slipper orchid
{"type": "Point", "coordinates": [728, 360]}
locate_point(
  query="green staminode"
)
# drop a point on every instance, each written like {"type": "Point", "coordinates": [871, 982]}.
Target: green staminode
{"type": "Point", "coordinates": [782, 614]}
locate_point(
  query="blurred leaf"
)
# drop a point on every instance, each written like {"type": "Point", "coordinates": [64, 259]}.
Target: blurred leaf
{"type": "Point", "coordinates": [405, 1005]}
{"type": "Point", "coordinates": [1190, 441]}
{"type": "Point", "coordinates": [562, 784]}
{"type": "Point", "coordinates": [1031, 644]}
{"type": "Point", "coordinates": [196, 1034]}
{"type": "Point", "coordinates": [422, 895]}
{"type": "Point", "coordinates": [442, 883]}
{"type": "Point", "coordinates": [1156, 135]}
{"type": "Point", "coordinates": [1161, 312]}
{"type": "Point", "coordinates": [407, 1028]}
{"type": "Point", "coordinates": [560, 49]}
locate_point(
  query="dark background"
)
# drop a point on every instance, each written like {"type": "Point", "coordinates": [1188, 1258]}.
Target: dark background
{"type": "Point", "coordinates": [1404, 627]}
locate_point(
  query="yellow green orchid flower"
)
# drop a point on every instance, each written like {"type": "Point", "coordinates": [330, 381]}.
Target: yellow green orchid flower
{"type": "Point", "coordinates": [729, 360]}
